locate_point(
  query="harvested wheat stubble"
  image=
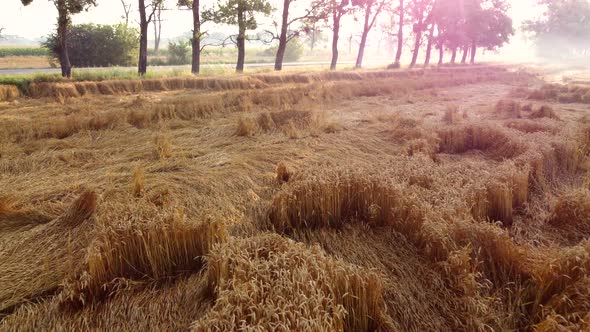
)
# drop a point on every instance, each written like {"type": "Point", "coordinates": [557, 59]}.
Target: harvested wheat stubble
{"type": "Point", "coordinates": [77, 89]}
{"type": "Point", "coordinates": [424, 223]}
{"type": "Point", "coordinates": [269, 282]}
{"type": "Point", "coordinates": [110, 87]}
{"type": "Point", "coordinates": [562, 93]}
{"type": "Point", "coordinates": [195, 107]}
{"type": "Point", "coordinates": [135, 306]}
{"type": "Point", "coordinates": [17, 219]}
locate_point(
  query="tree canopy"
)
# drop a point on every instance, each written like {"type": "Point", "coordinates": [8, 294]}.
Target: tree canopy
{"type": "Point", "coordinates": [227, 12]}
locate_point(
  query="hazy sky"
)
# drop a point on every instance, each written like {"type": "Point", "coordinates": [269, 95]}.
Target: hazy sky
{"type": "Point", "coordinates": [38, 19]}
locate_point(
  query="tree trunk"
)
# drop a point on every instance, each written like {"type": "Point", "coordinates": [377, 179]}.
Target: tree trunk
{"type": "Point", "coordinates": [143, 30]}
{"type": "Point", "coordinates": [400, 33]}
{"type": "Point", "coordinates": [196, 40]}
{"type": "Point", "coordinates": [361, 54]}
{"type": "Point", "coordinates": [157, 29]}
{"type": "Point", "coordinates": [63, 21]}
{"type": "Point", "coordinates": [366, 27]}
{"type": "Point", "coordinates": [473, 50]}
{"type": "Point", "coordinates": [416, 47]}
{"type": "Point", "coordinates": [454, 55]}
{"type": "Point", "coordinates": [241, 41]}
{"type": "Point", "coordinates": [464, 57]}
{"type": "Point", "coordinates": [441, 54]}
{"type": "Point", "coordinates": [127, 9]}
{"type": "Point", "coordinates": [283, 37]}
{"type": "Point", "coordinates": [313, 36]}
{"type": "Point", "coordinates": [429, 45]}
{"type": "Point", "coordinates": [335, 37]}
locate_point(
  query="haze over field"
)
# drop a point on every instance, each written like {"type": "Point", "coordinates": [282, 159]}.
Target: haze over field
{"type": "Point", "coordinates": [17, 20]}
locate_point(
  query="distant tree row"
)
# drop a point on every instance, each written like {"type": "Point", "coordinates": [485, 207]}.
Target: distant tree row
{"type": "Point", "coordinates": [447, 25]}
{"type": "Point", "coordinates": [563, 32]}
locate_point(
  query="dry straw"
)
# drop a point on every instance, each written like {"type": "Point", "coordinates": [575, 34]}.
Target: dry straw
{"type": "Point", "coordinates": [268, 282]}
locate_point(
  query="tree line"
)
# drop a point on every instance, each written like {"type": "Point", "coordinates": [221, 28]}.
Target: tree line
{"type": "Point", "coordinates": [459, 27]}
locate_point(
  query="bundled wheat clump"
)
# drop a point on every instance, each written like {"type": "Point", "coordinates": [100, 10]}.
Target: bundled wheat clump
{"type": "Point", "coordinates": [151, 250]}
{"type": "Point", "coordinates": [283, 173]}
{"type": "Point", "coordinates": [571, 213]}
{"type": "Point", "coordinates": [451, 115]}
{"type": "Point", "coordinates": [269, 282]}
{"type": "Point", "coordinates": [508, 108]}
{"type": "Point", "coordinates": [8, 92]}
{"type": "Point", "coordinates": [162, 147]}
{"type": "Point", "coordinates": [544, 112]}
{"type": "Point", "coordinates": [489, 138]}
{"type": "Point", "coordinates": [337, 199]}
{"type": "Point", "coordinates": [246, 127]}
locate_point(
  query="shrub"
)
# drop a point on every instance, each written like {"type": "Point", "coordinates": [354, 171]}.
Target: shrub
{"type": "Point", "coordinates": [178, 53]}
{"type": "Point", "coordinates": [96, 45]}
{"type": "Point", "coordinates": [293, 52]}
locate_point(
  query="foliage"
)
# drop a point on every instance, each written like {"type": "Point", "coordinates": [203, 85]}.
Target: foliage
{"type": "Point", "coordinates": [463, 22]}
{"type": "Point", "coordinates": [95, 45]}
{"type": "Point", "coordinates": [23, 51]}
{"type": "Point", "coordinates": [179, 53]}
{"type": "Point", "coordinates": [293, 52]}
{"type": "Point", "coordinates": [228, 12]}
{"type": "Point", "coordinates": [71, 6]}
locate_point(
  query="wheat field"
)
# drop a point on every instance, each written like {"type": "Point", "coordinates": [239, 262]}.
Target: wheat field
{"type": "Point", "coordinates": [451, 199]}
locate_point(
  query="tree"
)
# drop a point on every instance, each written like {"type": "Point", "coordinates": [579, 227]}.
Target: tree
{"type": "Point", "coordinates": [338, 8]}
{"type": "Point", "coordinates": [372, 9]}
{"type": "Point", "coordinates": [487, 25]}
{"type": "Point", "coordinates": [196, 35]}
{"type": "Point", "coordinates": [429, 44]}
{"type": "Point", "coordinates": [449, 16]}
{"type": "Point", "coordinates": [388, 29]}
{"type": "Point", "coordinates": [314, 34]}
{"type": "Point", "coordinates": [65, 9]}
{"type": "Point", "coordinates": [95, 45]}
{"type": "Point", "coordinates": [144, 21]}
{"type": "Point", "coordinates": [158, 26]}
{"type": "Point", "coordinates": [400, 34]}
{"type": "Point", "coordinates": [241, 13]}
{"type": "Point", "coordinates": [126, 10]}
{"type": "Point", "coordinates": [421, 11]}
{"type": "Point", "coordinates": [314, 12]}
{"type": "Point", "coordinates": [563, 30]}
